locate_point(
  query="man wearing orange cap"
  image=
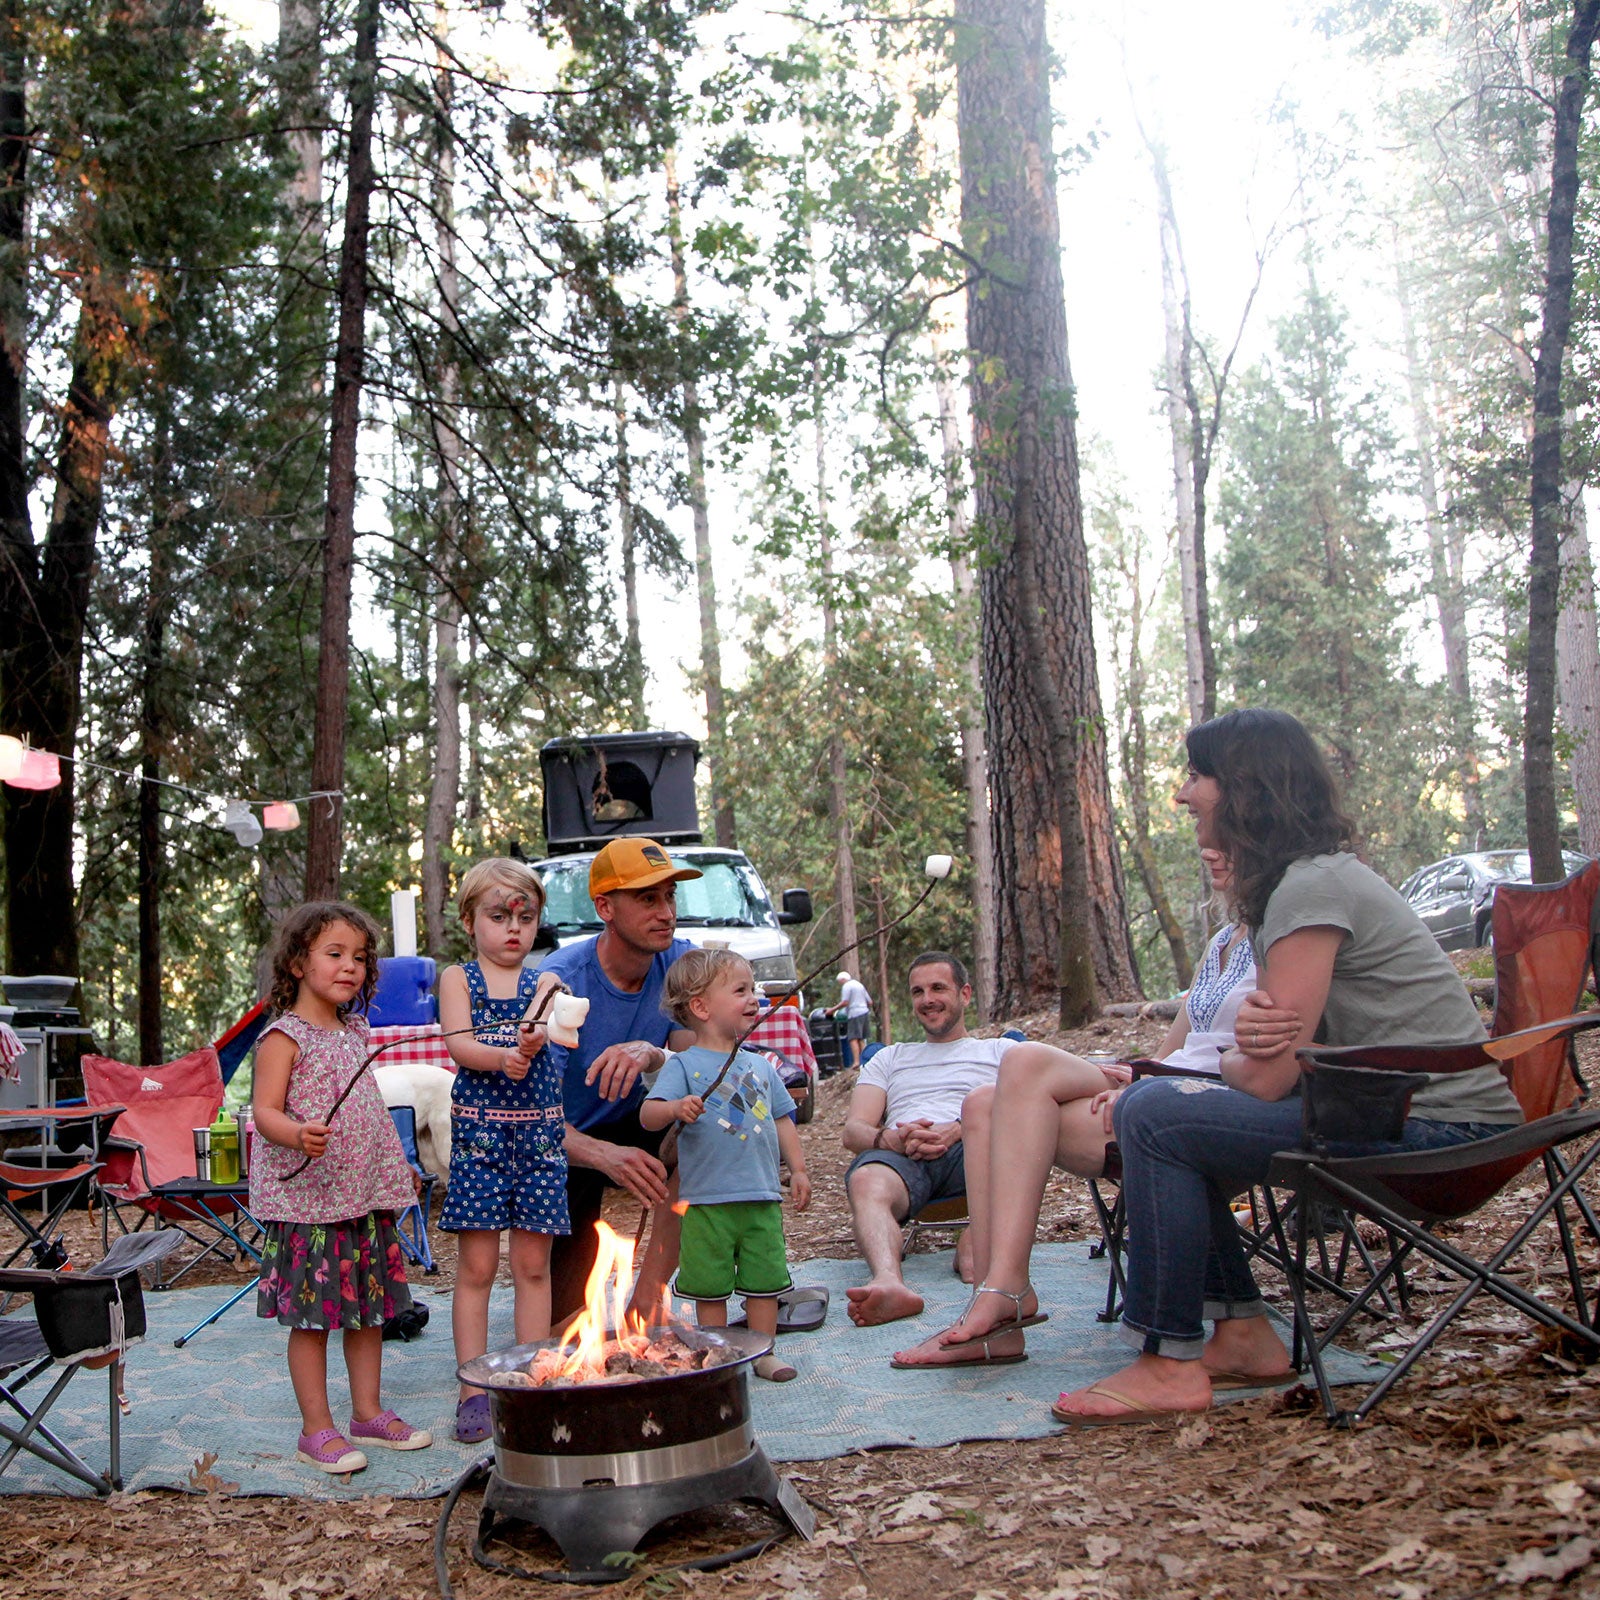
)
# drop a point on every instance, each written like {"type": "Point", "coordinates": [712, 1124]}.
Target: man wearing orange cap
{"type": "Point", "coordinates": [622, 970]}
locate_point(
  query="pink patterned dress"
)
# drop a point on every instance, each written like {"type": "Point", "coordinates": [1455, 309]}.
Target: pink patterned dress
{"type": "Point", "coordinates": [331, 1257]}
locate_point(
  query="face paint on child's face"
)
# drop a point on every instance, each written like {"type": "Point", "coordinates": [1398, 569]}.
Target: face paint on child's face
{"type": "Point", "coordinates": [503, 928]}
{"type": "Point", "coordinates": [731, 1004]}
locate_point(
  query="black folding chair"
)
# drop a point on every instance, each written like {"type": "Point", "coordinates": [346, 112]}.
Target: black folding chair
{"type": "Point", "coordinates": [81, 1320]}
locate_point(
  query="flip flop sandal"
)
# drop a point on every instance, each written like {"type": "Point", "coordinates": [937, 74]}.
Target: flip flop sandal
{"type": "Point", "coordinates": [800, 1310]}
{"type": "Point", "coordinates": [985, 1360]}
{"type": "Point", "coordinates": [803, 1309]}
{"type": "Point", "coordinates": [1222, 1382]}
{"type": "Point", "coordinates": [329, 1451]}
{"type": "Point", "coordinates": [1014, 1324]}
{"type": "Point", "coordinates": [1137, 1415]}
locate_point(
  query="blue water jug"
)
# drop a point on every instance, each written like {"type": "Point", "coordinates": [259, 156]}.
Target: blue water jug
{"type": "Point", "coordinates": [404, 997]}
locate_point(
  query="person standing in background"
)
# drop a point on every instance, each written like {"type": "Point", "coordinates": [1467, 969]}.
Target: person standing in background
{"type": "Point", "coordinates": [856, 1004]}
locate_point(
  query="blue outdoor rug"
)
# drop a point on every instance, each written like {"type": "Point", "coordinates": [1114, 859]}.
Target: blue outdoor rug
{"type": "Point", "coordinates": [227, 1392]}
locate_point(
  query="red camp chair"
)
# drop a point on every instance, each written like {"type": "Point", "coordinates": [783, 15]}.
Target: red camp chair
{"type": "Point", "coordinates": [149, 1160]}
{"type": "Point", "coordinates": [1545, 941]}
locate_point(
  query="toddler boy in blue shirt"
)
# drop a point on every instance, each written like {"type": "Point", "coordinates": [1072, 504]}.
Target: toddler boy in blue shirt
{"type": "Point", "coordinates": [729, 1149]}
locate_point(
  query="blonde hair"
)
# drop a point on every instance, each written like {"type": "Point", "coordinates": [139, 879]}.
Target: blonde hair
{"type": "Point", "coordinates": [498, 872]}
{"type": "Point", "coordinates": [694, 972]}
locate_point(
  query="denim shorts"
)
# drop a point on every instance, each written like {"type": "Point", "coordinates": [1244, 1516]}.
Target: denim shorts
{"type": "Point", "coordinates": [942, 1178]}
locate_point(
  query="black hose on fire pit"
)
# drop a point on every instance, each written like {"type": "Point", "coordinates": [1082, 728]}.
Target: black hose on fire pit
{"type": "Point", "coordinates": [480, 1469]}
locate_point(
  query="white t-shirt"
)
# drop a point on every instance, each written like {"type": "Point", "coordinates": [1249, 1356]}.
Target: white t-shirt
{"type": "Point", "coordinates": [931, 1080]}
{"type": "Point", "coordinates": [854, 998]}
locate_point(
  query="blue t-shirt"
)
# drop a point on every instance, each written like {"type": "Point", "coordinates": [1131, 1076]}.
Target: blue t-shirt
{"type": "Point", "coordinates": [731, 1153]}
{"type": "Point", "coordinates": [615, 1017]}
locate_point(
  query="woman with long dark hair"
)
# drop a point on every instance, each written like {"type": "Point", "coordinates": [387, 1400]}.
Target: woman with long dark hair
{"type": "Point", "coordinates": [1341, 959]}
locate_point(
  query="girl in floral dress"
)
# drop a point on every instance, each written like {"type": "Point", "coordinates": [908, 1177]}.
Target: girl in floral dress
{"type": "Point", "coordinates": [332, 1256]}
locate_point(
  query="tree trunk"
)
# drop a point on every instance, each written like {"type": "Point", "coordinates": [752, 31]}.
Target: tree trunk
{"type": "Point", "coordinates": [1445, 574]}
{"type": "Point", "coordinates": [1200, 663]}
{"type": "Point", "coordinates": [974, 758]}
{"type": "Point", "coordinates": [844, 861]}
{"type": "Point", "coordinates": [1545, 478]}
{"type": "Point", "coordinates": [438, 829]}
{"type": "Point", "coordinates": [326, 831]}
{"type": "Point", "coordinates": [705, 577]}
{"type": "Point", "coordinates": [1062, 928]}
{"type": "Point", "coordinates": [627, 527]}
{"type": "Point", "coordinates": [153, 728]}
{"type": "Point", "coordinates": [44, 659]}
{"type": "Point", "coordinates": [885, 1009]}
{"type": "Point", "coordinates": [1578, 668]}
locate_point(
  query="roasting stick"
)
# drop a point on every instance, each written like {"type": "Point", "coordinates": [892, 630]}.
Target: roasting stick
{"type": "Point", "coordinates": [533, 1015]}
{"type": "Point", "coordinates": [935, 869]}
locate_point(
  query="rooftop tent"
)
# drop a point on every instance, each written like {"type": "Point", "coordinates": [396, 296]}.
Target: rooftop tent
{"type": "Point", "coordinates": [607, 785]}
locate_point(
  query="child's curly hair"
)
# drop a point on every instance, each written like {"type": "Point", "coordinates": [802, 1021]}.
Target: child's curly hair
{"type": "Point", "coordinates": [298, 932]}
{"type": "Point", "coordinates": [691, 975]}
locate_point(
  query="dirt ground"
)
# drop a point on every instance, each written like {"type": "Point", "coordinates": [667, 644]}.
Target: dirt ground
{"type": "Point", "coordinates": [1480, 1476]}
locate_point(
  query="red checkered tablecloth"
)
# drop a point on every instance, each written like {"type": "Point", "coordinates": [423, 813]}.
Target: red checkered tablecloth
{"type": "Point", "coordinates": [423, 1043]}
{"type": "Point", "coordinates": [784, 1028]}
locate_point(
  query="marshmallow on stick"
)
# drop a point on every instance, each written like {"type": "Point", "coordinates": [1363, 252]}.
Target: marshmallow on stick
{"type": "Point", "coordinates": [566, 1017]}
{"type": "Point", "coordinates": [938, 866]}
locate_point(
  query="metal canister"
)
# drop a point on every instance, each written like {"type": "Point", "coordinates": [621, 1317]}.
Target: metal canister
{"type": "Point", "coordinates": [202, 1154]}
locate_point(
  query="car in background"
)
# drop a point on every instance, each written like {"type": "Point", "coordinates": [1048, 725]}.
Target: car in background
{"type": "Point", "coordinates": [1453, 896]}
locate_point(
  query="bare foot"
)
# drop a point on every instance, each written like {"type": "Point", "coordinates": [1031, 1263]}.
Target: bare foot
{"type": "Point", "coordinates": [874, 1303]}
{"type": "Point", "coordinates": [989, 1310]}
{"type": "Point", "coordinates": [1152, 1385]}
{"type": "Point", "coordinates": [935, 1353]}
{"type": "Point", "coordinates": [1245, 1347]}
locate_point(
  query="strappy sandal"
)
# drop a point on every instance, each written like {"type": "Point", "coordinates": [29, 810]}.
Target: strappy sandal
{"type": "Point", "coordinates": [1013, 1324]}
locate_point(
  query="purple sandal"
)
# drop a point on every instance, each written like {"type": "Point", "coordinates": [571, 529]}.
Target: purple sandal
{"type": "Point", "coordinates": [388, 1432]}
{"type": "Point", "coordinates": [472, 1419]}
{"type": "Point", "coordinates": [329, 1451]}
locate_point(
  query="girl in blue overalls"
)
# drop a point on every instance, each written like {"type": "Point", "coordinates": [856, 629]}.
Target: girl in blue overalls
{"type": "Point", "coordinates": [508, 1161]}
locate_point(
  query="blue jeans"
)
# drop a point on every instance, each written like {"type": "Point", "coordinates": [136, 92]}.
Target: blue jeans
{"type": "Point", "coordinates": [1188, 1147]}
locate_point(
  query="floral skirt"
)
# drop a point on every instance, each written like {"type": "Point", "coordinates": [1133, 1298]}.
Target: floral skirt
{"type": "Point", "coordinates": [333, 1275]}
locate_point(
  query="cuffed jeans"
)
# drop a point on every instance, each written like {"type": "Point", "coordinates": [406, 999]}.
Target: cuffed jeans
{"type": "Point", "coordinates": [1188, 1147]}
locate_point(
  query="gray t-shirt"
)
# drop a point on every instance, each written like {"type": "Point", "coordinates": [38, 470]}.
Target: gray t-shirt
{"type": "Point", "coordinates": [1392, 984]}
{"type": "Point", "coordinates": [931, 1080]}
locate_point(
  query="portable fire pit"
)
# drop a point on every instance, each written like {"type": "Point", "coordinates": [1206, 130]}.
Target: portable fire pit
{"type": "Point", "coordinates": [598, 1461]}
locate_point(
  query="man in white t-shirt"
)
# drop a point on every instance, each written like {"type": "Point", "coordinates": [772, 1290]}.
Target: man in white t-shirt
{"type": "Point", "coordinates": [904, 1124]}
{"type": "Point", "coordinates": [856, 1004]}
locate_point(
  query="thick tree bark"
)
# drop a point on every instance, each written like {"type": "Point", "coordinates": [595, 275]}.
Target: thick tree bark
{"type": "Point", "coordinates": [153, 728]}
{"type": "Point", "coordinates": [1578, 668]}
{"type": "Point", "coordinates": [1546, 510]}
{"type": "Point", "coordinates": [627, 528]}
{"type": "Point", "coordinates": [445, 784]}
{"type": "Point", "coordinates": [974, 756]}
{"type": "Point", "coordinates": [326, 831]}
{"type": "Point", "coordinates": [705, 577]}
{"type": "Point", "coordinates": [1062, 929]}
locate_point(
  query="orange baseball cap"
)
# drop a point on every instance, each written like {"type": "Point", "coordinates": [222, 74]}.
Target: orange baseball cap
{"type": "Point", "coordinates": [635, 863]}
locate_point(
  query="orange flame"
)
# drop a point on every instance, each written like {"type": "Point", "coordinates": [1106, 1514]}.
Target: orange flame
{"type": "Point", "coordinates": [583, 1348]}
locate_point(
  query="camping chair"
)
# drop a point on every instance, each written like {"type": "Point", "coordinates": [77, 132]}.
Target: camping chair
{"type": "Point", "coordinates": [54, 1129]}
{"type": "Point", "coordinates": [412, 1223]}
{"type": "Point", "coordinates": [950, 1214]}
{"type": "Point", "coordinates": [1544, 942]}
{"type": "Point", "coordinates": [81, 1320]}
{"type": "Point", "coordinates": [149, 1159]}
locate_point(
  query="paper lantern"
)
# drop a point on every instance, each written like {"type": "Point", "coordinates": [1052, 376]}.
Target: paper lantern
{"type": "Point", "coordinates": [11, 753]}
{"type": "Point", "coordinates": [40, 770]}
{"type": "Point", "coordinates": [280, 816]}
{"type": "Point", "coordinates": [241, 822]}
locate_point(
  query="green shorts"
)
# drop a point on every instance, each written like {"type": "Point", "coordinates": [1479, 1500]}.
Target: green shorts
{"type": "Point", "coordinates": [732, 1248]}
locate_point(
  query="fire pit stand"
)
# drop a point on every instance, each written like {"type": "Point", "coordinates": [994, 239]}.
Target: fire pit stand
{"type": "Point", "coordinates": [596, 1465]}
